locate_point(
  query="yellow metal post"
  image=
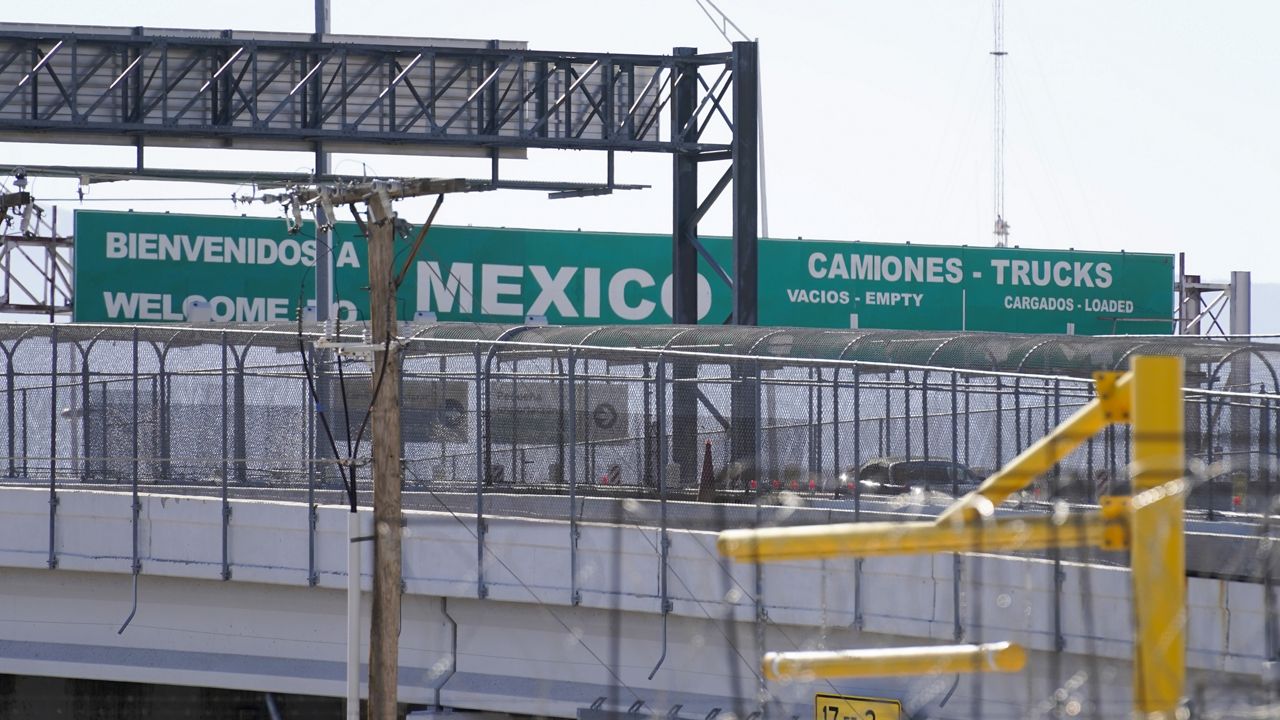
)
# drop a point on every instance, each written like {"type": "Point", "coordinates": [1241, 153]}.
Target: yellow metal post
{"type": "Point", "coordinates": [1158, 554]}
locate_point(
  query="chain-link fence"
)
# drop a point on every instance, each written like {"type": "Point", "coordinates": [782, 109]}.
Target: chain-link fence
{"type": "Point", "coordinates": [712, 414]}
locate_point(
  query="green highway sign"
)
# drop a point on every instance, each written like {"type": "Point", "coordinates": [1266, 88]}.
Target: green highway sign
{"type": "Point", "coordinates": [138, 267]}
{"type": "Point", "coordinates": [148, 267]}
{"type": "Point", "coordinates": [933, 287]}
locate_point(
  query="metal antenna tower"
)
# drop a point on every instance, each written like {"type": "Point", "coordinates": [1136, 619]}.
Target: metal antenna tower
{"type": "Point", "coordinates": [1001, 226]}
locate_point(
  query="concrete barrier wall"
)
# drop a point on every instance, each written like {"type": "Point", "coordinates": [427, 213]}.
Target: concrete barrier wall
{"type": "Point", "coordinates": [554, 638]}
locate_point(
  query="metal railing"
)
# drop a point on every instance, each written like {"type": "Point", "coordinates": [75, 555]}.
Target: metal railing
{"type": "Point", "coordinates": [203, 408]}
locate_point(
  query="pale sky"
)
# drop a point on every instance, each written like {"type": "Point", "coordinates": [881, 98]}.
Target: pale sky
{"type": "Point", "coordinates": [1145, 126]}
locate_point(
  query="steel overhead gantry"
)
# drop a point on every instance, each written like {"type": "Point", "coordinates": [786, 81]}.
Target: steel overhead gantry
{"type": "Point", "coordinates": [342, 93]}
{"type": "Point", "coordinates": [328, 93]}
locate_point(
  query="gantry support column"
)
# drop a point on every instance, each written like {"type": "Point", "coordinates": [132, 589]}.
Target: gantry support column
{"type": "Point", "coordinates": [745, 396]}
{"type": "Point", "coordinates": [684, 268]}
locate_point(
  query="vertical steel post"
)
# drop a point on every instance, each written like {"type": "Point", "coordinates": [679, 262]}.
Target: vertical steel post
{"type": "Point", "coordinates": [924, 415]}
{"type": "Point", "coordinates": [886, 422]}
{"type": "Point", "coordinates": [83, 418]}
{"type": "Point", "coordinates": [857, 490]}
{"type": "Point", "coordinates": [1241, 303]}
{"type": "Point", "coordinates": [1240, 377]}
{"type": "Point", "coordinates": [240, 435]}
{"type": "Point", "coordinates": [26, 447]}
{"type": "Point", "coordinates": [226, 470]}
{"type": "Point", "coordinates": [1017, 416]}
{"type": "Point", "coordinates": [313, 516]}
{"type": "Point", "coordinates": [999, 437]}
{"type": "Point", "coordinates": [104, 431]}
{"type": "Point", "coordinates": [53, 437]}
{"type": "Point", "coordinates": [135, 450]}
{"type": "Point", "coordinates": [957, 563]}
{"type": "Point", "coordinates": [835, 426]}
{"type": "Point", "coordinates": [684, 188]}
{"type": "Point", "coordinates": [663, 539]}
{"type": "Point", "coordinates": [746, 117]}
{"type": "Point", "coordinates": [762, 612]}
{"type": "Point", "coordinates": [163, 421]}
{"type": "Point", "coordinates": [10, 384]}
{"type": "Point", "coordinates": [661, 402]}
{"type": "Point", "coordinates": [968, 424]}
{"type": "Point", "coordinates": [136, 566]}
{"type": "Point", "coordinates": [660, 412]}
{"type": "Point", "coordinates": [818, 431]}
{"type": "Point", "coordinates": [857, 443]}
{"type": "Point", "coordinates": [481, 590]}
{"type": "Point", "coordinates": [1059, 639]}
{"type": "Point", "coordinates": [906, 414]}
{"type": "Point", "coordinates": [650, 435]}
{"type": "Point", "coordinates": [1158, 552]}
{"type": "Point", "coordinates": [1266, 439]}
{"type": "Point", "coordinates": [588, 447]}
{"type": "Point", "coordinates": [562, 419]}
{"type": "Point", "coordinates": [514, 477]}
{"type": "Point", "coordinates": [684, 260]}
{"type": "Point", "coordinates": [575, 597]}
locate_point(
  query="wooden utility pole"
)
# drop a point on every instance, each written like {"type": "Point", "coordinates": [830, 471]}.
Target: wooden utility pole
{"type": "Point", "coordinates": [384, 420]}
{"type": "Point", "coordinates": [384, 644]}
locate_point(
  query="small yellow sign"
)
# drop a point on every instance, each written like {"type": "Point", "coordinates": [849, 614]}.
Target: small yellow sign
{"type": "Point", "coordinates": [850, 707]}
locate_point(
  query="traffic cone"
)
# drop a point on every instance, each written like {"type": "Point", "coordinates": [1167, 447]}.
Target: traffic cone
{"type": "Point", "coordinates": [707, 483]}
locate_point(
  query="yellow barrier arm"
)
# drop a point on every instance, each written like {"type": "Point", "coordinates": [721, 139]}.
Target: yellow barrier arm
{"type": "Point", "coordinates": [1150, 523]}
{"type": "Point", "coordinates": [886, 662]}
{"type": "Point", "coordinates": [1111, 406]}
{"type": "Point", "coordinates": [1106, 529]}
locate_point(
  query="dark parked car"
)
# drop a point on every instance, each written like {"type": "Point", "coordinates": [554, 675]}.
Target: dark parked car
{"type": "Point", "coordinates": [895, 476]}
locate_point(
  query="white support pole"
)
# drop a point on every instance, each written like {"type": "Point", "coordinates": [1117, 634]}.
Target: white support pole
{"type": "Point", "coordinates": [1241, 303]}
{"type": "Point", "coordinates": [353, 616]}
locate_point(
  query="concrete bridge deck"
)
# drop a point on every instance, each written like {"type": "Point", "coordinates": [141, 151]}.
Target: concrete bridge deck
{"type": "Point", "coordinates": [508, 625]}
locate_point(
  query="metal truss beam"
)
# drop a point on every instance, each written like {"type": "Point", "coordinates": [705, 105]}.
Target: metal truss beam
{"type": "Point", "coordinates": [350, 94]}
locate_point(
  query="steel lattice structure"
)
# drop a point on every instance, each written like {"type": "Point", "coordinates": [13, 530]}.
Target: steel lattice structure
{"type": "Point", "coordinates": [334, 93]}
{"type": "Point", "coordinates": [290, 91]}
{"type": "Point", "coordinates": [326, 93]}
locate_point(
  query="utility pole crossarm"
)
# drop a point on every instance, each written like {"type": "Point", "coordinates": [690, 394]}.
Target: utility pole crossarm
{"type": "Point", "coordinates": [386, 189]}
